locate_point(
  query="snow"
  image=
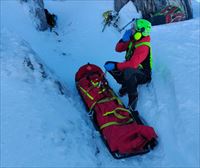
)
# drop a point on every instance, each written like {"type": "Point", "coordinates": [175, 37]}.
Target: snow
{"type": "Point", "coordinates": [42, 128]}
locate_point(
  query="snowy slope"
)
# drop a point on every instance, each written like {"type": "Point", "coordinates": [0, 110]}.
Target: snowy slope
{"type": "Point", "coordinates": [40, 127]}
{"type": "Point", "coordinates": [38, 124]}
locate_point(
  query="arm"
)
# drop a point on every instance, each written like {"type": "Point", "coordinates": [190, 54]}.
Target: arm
{"type": "Point", "coordinates": [122, 46]}
{"type": "Point", "coordinates": [138, 57]}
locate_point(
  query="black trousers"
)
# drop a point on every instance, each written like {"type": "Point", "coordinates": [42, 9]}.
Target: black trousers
{"type": "Point", "coordinates": [130, 78]}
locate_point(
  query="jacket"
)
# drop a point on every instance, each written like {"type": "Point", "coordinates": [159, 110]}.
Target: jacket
{"type": "Point", "coordinates": [140, 55]}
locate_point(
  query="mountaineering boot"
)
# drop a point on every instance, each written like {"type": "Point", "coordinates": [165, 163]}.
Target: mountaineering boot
{"type": "Point", "coordinates": [122, 91]}
{"type": "Point", "coordinates": [132, 101]}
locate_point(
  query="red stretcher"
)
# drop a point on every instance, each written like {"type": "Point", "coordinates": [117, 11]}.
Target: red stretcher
{"type": "Point", "coordinates": [122, 130]}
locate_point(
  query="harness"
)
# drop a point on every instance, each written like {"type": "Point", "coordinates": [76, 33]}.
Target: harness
{"type": "Point", "coordinates": [132, 47]}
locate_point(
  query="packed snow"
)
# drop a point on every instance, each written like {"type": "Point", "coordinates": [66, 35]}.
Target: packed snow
{"type": "Point", "coordinates": [40, 127]}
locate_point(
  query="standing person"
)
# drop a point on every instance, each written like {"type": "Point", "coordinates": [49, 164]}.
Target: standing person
{"type": "Point", "coordinates": [136, 69]}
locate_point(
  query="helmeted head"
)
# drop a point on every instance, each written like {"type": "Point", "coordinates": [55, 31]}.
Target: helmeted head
{"type": "Point", "coordinates": [142, 28]}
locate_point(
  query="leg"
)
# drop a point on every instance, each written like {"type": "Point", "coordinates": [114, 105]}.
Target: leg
{"type": "Point", "coordinates": [133, 77]}
{"type": "Point", "coordinates": [117, 75]}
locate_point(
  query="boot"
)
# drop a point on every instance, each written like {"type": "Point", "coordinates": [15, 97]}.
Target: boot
{"type": "Point", "coordinates": [132, 101]}
{"type": "Point", "coordinates": [122, 91]}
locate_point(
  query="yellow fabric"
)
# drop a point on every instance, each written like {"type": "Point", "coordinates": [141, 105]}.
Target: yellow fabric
{"type": "Point", "coordinates": [118, 100]}
{"type": "Point", "coordinates": [86, 93]}
{"type": "Point", "coordinates": [117, 115]}
{"type": "Point", "coordinates": [114, 112]}
{"type": "Point", "coordinates": [107, 99]}
{"type": "Point", "coordinates": [147, 44]}
{"type": "Point", "coordinates": [115, 123]}
{"type": "Point", "coordinates": [101, 91]}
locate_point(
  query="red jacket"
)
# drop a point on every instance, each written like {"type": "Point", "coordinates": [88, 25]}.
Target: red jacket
{"type": "Point", "coordinates": [138, 56]}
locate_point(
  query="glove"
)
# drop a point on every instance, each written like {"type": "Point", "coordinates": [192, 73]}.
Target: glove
{"type": "Point", "coordinates": [127, 35]}
{"type": "Point", "coordinates": [109, 66]}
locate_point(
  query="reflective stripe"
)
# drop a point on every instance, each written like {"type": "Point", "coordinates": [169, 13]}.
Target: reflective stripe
{"type": "Point", "coordinates": [101, 91]}
{"type": "Point", "coordinates": [95, 84]}
{"type": "Point", "coordinates": [130, 50]}
{"type": "Point", "coordinates": [118, 100]}
{"type": "Point", "coordinates": [119, 116]}
{"type": "Point", "coordinates": [86, 93]}
{"type": "Point", "coordinates": [108, 124]}
{"type": "Point", "coordinates": [143, 43]}
{"type": "Point", "coordinates": [115, 123]}
{"type": "Point", "coordinates": [107, 99]}
{"type": "Point", "coordinates": [147, 44]}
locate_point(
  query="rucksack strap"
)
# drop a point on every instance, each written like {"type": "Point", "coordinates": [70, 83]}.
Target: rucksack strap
{"type": "Point", "coordinates": [130, 50]}
{"type": "Point", "coordinates": [143, 43]}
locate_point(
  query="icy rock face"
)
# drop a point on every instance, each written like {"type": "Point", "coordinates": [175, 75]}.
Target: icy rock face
{"type": "Point", "coordinates": [36, 9]}
{"type": "Point", "coordinates": [146, 7]}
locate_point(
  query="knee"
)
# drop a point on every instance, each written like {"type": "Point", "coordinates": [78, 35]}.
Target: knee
{"type": "Point", "coordinates": [129, 73]}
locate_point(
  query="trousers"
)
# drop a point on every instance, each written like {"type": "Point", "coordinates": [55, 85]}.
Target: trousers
{"type": "Point", "coordinates": [130, 79]}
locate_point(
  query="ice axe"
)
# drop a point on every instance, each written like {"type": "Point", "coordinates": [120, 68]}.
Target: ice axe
{"type": "Point", "coordinates": [126, 25]}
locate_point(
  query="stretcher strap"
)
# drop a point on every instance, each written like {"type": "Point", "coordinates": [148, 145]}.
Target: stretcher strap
{"type": "Point", "coordinates": [114, 112]}
{"type": "Point", "coordinates": [117, 115]}
{"type": "Point", "coordinates": [104, 100]}
{"type": "Point", "coordinates": [86, 93]}
{"type": "Point", "coordinates": [118, 100]}
{"type": "Point", "coordinates": [115, 123]}
{"type": "Point", "coordinates": [94, 85]}
{"type": "Point", "coordinates": [107, 99]}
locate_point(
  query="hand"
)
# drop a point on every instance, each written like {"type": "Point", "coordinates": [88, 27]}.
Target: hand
{"type": "Point", "coordinates": [109, 66]}
{"type": "Point", "coordinates": [127, 35]}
